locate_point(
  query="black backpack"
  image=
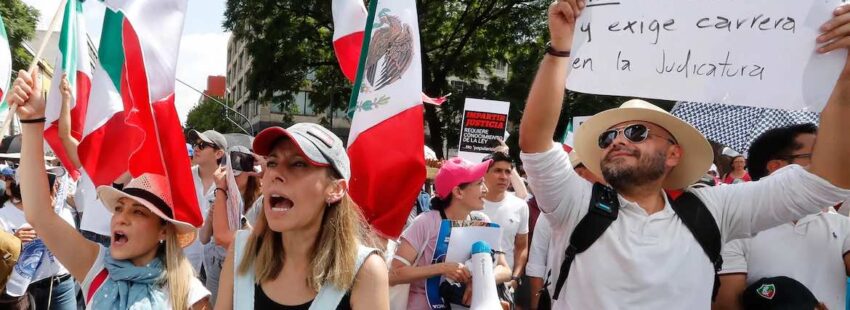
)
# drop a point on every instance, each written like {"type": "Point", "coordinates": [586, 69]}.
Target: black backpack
{"type": "Point", "coordinates": [604, 208]}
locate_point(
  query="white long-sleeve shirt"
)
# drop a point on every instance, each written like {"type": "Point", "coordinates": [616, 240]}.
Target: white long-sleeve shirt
{"type": "Point", "coordinates": [653, 261]}
{"type": "Point", "coordinates": [536, 266]}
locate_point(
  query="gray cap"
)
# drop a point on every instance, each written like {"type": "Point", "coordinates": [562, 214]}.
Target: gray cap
{"type": "Point", "coordinates": [209, 136]}
{"type": "Point", "coordinates": [319, 145]}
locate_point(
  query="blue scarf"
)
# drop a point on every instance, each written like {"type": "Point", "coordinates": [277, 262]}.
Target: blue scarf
{"type": "Point", "coordinates": [131, 287]}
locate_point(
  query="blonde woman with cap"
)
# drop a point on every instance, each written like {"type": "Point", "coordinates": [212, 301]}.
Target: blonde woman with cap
{"type": "Point", "coordinates": [144, 268]}
{"type": "Point", "coordinates": [460, 197]}
{"type": "Point", "coordinates": [309, 247]}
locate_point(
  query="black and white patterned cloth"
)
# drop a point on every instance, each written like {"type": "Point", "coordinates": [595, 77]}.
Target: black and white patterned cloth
{"type": "Point", "coordinates": [737, 126]}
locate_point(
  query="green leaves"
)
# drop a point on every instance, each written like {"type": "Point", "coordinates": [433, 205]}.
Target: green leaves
{"type": "Point", "coordinates": [20, 20]}
{"type": "Point", "coordinates": [211, 115]}
{"type": "Point", "coordinates": [290, 43]}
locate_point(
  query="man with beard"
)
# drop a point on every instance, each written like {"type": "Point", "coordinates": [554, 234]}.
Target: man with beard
{"type": "Point", "coordinates": [647, 258]}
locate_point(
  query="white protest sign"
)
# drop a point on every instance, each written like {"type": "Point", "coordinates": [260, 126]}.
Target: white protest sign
{"type": "Point", "coordinates": [462, 238]}
{"type": "Point", "coordinates": [756, 52]}
{"type": "Point", "coordinates": [483, 123]}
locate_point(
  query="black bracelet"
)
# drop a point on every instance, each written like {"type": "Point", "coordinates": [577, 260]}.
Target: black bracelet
{"type": "Point", "coordinates": [34, 120]}
{"type": "Point", "coordinates": [552, 51]}
{"type": "Point", "coordinates": [223, 191]}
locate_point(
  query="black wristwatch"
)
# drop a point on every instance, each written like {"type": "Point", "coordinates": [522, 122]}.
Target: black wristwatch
{"type": "Point", "coordinates": [552, 51]}
{"type": "Point", "coordinates": [517, 279]}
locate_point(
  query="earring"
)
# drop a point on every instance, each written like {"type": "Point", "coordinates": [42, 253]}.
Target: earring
{"type": "Point", "coordinates": [161, 241]}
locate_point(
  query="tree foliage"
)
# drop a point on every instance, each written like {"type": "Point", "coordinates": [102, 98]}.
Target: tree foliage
{"type": "Point", "coordinates": [20, 20]}
{"type": "Point", "coordinates": [290, 43]}
{"type": "Point", "coordinates": [211, 115]}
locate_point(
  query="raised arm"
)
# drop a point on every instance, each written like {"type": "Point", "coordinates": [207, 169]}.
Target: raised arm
{"type": "Point", "coordinates": [68, 141]}
{"type": "Point", "coordinates": [221, 229]}
{"type": "Point", "coordinates": [547, 92]}
{"type": "Point", "coordinates": [831, 155]}
{"type": "Point", "coordinates": [69, 246]}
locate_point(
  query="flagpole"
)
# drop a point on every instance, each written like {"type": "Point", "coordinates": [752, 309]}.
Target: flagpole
{"type": "Point", "coordinates": [34, 63]}
{"type": "Point", "coordinates": [364, 53]}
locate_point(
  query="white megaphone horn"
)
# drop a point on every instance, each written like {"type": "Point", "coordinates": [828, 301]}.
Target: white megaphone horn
{"type": "Point", "coordinates": [484, 295]}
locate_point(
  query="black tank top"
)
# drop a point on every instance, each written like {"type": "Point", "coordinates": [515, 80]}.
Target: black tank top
{"type": "Point", "coordinates": [262, 301]}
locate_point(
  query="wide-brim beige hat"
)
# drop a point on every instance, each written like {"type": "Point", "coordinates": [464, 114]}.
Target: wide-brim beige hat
{"type": "Point", "coordinates": [697, 154]}
{"type": "Point", "coordinates": [148, 191]}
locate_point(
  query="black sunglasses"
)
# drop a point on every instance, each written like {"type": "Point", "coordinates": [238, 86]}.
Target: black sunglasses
{"type": "Point", "coordinates": [202, 145]}
{"type": "Point", "coordinates": [635, 133]}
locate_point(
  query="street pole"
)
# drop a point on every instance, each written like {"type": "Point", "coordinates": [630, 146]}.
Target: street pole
{"type": "Point", "coordinates": [227, 108]}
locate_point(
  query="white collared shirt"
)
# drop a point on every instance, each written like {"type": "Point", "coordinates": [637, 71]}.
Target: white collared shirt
{"type": "Point", "coordinates": [537, 263]}
{"type": "Point", "coordinates": [810, 251]}
{"type": "Point", "coordinates": [653, 261]}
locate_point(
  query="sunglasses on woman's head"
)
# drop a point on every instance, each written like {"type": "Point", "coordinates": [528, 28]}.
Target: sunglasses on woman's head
{"type": "Point", "coordinates": [635, 133]}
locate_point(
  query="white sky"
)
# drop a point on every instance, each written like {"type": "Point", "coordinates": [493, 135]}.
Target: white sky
{"type": "Point", "coordinates": [203, 50]}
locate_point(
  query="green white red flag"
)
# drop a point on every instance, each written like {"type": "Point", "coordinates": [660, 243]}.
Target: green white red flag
{"type": "Point", "coordinates": [5, 69]}
{"type": "Point", "coordinates": [73, 60]}
{"type": "Point", "coordinates": [386, 142]}
{"type": "Point", "coordinates": [132, 123]}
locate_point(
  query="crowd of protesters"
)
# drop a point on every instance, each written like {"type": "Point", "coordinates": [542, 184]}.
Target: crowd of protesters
{"type": "Point", "coordinates": [635, 217]}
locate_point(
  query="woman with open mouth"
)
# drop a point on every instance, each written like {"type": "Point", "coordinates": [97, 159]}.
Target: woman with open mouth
{"type": "Point", "coordinates": [144, 267]}
{"type": "Point", "coordinates": [308, 249]}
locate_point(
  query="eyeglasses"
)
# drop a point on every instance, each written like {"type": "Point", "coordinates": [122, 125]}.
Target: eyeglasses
{"type": "Point", "coordinates": [200, 145]}
{"type": "Point", "coordinates": [793, 157]}
{"type": "Point", "coordinates": [636, 133]}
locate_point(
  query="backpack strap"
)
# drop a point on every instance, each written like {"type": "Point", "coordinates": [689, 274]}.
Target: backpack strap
{"type": "Point", "coordinates": [699, 220]}
{"type": "Point", "coordinates": [243, 284]}
{"type": "Point", "coordinates": [604, 208]}
{"type": "Point", "coordinates": [330, 296]}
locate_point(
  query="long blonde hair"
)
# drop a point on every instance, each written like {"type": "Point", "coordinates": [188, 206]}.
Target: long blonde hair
{"type": "Point", "coordinates": [178, 270]}
{"type": "Point", "coordinates": [334, 254]}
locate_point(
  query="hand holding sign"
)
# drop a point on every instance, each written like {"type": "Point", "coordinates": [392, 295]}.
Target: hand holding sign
{"type": "Point", "coordinates": [836, 34]}
{"type": "Point", "coordinates": [562, 22]}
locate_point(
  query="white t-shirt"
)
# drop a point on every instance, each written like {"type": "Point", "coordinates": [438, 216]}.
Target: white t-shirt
{"type": "Point", "coordinates": [653, 261]}
{"type": "Point", "coordinates": [12, 219]}
{"type": "Point", "coordinates": [96, 217]}
{"type": "Point", "coordinates": [512, 216]}
{"type": "Point", "coordinates": [195, 251]}
{"type": "Point", "coordinates": [812, 252]}
{"type": "Point", "coordinates": [197, 291]}
{"type": "Point", "coordinates": [537, 263]}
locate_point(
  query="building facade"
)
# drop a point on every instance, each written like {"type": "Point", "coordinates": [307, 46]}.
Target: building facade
{"type": "Point", "coordinates": [265, 114]}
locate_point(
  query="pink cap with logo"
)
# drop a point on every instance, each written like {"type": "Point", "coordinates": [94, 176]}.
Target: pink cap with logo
{"type": "Point", "coordinates": [457, 171]}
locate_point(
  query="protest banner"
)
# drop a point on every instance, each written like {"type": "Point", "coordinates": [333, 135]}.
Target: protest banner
{"type": "Point", "coordinates": [483, 124]}
{"type": "Point", "coordinates": [756, 53]}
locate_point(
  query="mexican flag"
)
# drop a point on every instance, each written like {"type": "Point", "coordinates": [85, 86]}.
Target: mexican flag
{"type": "Point", "coordinates": [5, 69]}
{"type": "Point", "coordinates": [73, 60]}
{"type": "Point", "coordinates": [386, 141]}
{"type": "Point", "coordinates": [132, 124]}
{"type": "Point", "coordinates": [349, 19]}
{"type": "Point", "coordinates": [568, 139]}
